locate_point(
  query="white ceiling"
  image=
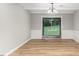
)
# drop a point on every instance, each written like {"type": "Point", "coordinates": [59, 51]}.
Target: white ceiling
{"type": "Point", "coordinates": [43, 7]}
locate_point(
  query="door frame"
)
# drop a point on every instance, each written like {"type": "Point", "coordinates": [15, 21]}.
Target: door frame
{"type": "Point", "coordinates": [51, 17]}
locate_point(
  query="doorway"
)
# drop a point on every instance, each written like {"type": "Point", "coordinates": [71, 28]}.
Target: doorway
{"type": "Point", "coordinates": [51, 28]}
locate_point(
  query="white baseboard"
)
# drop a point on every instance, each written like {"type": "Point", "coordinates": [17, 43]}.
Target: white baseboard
{"type": "Point", "coordinates": [16, 48]}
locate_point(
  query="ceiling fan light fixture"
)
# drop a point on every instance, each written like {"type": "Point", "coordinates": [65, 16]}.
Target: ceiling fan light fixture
{"type": "Point", "coordinates": [49, 11]}
{"type": "Point", "coordinates": [52, 9]}
{"type": "Point", "coordinates": [55, 11]}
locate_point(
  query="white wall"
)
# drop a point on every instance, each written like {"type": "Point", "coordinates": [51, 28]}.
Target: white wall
{"type": "Point", "coordinates": [76, 26]}
{"type": "Point", "coordinates": [14, 26]}
{"type": "Point", "coordinates": [66, 25]}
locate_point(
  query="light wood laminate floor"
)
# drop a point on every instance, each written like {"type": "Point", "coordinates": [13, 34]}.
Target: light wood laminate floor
{"type": "Point", "coordinates": [50, 47]}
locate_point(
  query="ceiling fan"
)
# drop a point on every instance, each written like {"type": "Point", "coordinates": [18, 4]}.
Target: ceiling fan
{"type": "Point", "coordinates": [52, 9]}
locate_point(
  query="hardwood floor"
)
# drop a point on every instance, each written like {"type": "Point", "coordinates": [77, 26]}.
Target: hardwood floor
{"type": "Point", "coordinates": [53, 47]}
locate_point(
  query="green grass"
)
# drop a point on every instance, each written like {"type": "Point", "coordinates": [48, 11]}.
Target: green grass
{"type": "Point", "coordinates": [49, 31]}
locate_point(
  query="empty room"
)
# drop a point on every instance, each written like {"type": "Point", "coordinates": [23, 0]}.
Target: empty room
{"type": "Point", "coordinates": [39, 29]}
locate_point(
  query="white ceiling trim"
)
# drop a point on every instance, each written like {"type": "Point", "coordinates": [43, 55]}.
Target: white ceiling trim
{"type": "Point", "coordinates": [43, 7]}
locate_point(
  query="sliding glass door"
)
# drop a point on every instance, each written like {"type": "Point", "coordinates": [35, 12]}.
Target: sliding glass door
{"type": "Point", "coordinates": [52, 27]}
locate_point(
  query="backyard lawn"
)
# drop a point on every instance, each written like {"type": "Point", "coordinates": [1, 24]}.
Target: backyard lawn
{"type": "Point", "coordinates": [51, 30]}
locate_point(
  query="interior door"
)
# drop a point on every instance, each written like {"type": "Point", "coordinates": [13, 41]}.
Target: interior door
{"type": "Point", "coordinates": [52, 27]}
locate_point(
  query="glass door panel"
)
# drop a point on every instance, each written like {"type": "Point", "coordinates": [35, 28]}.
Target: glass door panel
{"type": "Point", "coordinates": [51, 26]}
